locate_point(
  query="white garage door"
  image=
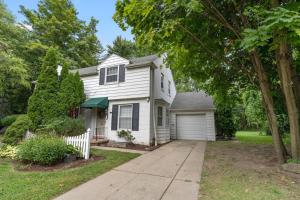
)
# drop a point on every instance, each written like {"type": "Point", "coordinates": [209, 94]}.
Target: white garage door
{"type": "Point", "coordinates": [191, 127]}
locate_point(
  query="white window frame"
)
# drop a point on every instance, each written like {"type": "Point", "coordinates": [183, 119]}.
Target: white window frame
{"type": "Point", "coordinates": [162, 80]}
{"type": "Point", "coordinates": [106, 69]}
{"type": "Point", "coordinates": [169, 88]}
{"type": "Point", "coordinates": [162, 116]}
{"type": "Point", "coordinates": [131, 105]}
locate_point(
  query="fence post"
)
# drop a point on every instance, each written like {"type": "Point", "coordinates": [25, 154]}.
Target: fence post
{"type": "Point", "coordinates": [87, 141]}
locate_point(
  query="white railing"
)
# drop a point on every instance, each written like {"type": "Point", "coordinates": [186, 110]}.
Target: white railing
{"type": "Point", "coordinates": [82, 142]}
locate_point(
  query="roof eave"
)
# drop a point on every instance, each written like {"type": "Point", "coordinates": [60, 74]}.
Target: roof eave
{"type": "Point", "coordinates": [192, 109]}
{"type": "Point", "coordinates": [142, 64]}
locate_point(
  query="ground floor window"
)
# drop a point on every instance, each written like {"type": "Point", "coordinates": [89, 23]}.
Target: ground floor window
{"type": "Point", "coordinates": [159, 116]}
{"type": "Point", "coordinates": [125, 117]}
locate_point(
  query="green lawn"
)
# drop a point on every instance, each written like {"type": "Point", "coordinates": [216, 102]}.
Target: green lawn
{"type": "Point", "coordinates": [16, 185]}
{"type": "Point", "coordinates": [255, 137]}
{"type": "Point", "coordinates": [245, 169]}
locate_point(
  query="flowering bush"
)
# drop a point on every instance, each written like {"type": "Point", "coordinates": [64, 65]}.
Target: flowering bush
{"type": "Point", "coordinates": [8, 151]}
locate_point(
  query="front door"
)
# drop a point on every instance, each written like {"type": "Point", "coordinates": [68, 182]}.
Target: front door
{"type": "Point", "coordinates": [100, 124]}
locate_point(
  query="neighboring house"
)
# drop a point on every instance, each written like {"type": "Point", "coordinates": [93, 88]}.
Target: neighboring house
{"type": "Point", "coordinates": [133, 95]}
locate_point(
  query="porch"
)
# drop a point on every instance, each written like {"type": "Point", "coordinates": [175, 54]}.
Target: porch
{"type": "Point", "coordinates": [94, 112]}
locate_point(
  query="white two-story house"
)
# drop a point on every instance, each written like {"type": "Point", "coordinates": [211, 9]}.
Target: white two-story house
{"type": "Point", "coordinates": [137, 95]}
{"type": "Point", "coordinates": [133, 95]}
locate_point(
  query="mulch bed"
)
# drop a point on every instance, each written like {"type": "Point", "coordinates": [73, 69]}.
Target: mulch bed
{"type": "Point", "coordinates": [37, 168]}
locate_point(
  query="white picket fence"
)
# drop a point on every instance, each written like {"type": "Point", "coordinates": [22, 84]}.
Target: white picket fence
{"type": "Point", "coordinates": [82, 142]}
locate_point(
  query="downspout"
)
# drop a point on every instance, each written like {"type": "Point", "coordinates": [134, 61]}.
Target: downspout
{"type": "Point", "coordinates": [153, 105]}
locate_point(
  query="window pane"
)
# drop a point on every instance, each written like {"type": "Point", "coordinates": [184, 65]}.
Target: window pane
{"type": "Point", "coordinates": [162, 81]}
{"type": "Point", "coordinates": [125, 111]}
{"type": "Point", "coordinates": [112, 78]}
{"type": "Point", "coordinates": [125, 118]}
{"type": "Point", "coordinates": [159, 116]}
{"type": "Point", "coordinates": [125, 123]}
{"type": "Point", "coordinates": [112, 71]}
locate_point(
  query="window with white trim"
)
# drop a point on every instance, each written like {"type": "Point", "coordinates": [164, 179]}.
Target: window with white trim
{"type": "Point", "coordinates": [169, 88]}
{"type": "Point", "coordinates": [162, 78]}
{"type": "Point", "coordinates": [159, 116]}
{"type": "Point", "coordinates": [112, 74]}
{"type": "Point", "coordinates": [125, 117]}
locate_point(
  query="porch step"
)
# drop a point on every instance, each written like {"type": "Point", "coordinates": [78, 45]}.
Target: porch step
{"type": "Point", "coordinates": [95, 142]}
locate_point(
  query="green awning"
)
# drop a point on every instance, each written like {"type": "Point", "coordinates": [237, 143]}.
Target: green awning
{"type": "Point", "coordinates": [100, 102]}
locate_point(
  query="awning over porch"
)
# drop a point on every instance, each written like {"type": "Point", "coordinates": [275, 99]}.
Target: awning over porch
{"type": "Point", "coordinates": [99, 102]}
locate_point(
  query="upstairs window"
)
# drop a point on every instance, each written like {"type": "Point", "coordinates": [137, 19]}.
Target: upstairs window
{"type": "Point", "coordinates": [112, 74]}
{"type": "Point", "coordinates": [169, 88]}
{"type": "Point", "coordinates": [162, 78]}
{"type": "Point", "coordinates": [159, 116]}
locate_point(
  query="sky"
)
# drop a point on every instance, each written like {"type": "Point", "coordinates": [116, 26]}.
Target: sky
{"type": "Point", "coordinates": [102, 10]}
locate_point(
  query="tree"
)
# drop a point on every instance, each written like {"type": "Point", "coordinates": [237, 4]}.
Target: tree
{"type": "Point", "coordinates": [201, 39]}
{"type": "Point", "coordinates": [55, 24]}
{"type": "Point", "coordinates": [278, 28]}
{"type": "Point", "coordinates": [127, 48]}
{"type": "Point", "coordinates": [14, 76]}
{"type": "Point", "coordinates": [44, 103]}
{"type": "Point", "coordinates": [71, 94]}
{"type": "Point", "coordinates": [122, 47]}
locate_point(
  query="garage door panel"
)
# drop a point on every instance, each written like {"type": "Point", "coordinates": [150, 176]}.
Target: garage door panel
{"type": "Point", "coordinates": [191, 127]}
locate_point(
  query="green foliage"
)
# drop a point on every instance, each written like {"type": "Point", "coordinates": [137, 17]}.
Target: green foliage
{"type": "Point", "coordinates": [8, 120]}
{"type": "Point", "coordinates": [64, 126]}
{"type": "Point", "coordinates": [254, 111]}
{"type": "Point", "coordinates": [126, 135]}
{"type": "Point", "coordinates": [71, 93]}
{"type": "Point", "coordinates": [295, 161]}
{"type": "Point", "coordinates": [43, 150]}
{"type": "Point", "coordinates": [224, 122]}
{"type": "Point", "coordinates": [8, 151]}
{"type": "Point", "coordinates": [44, 103]}
{"type": "Point", "coordinates": [127, 49]}
{"type": "Point", "coordinates": [56, 23]}
{"type": "Point", "coordinates": [15, 132]}
{"type": "Point", "coordinates": [270, 23]}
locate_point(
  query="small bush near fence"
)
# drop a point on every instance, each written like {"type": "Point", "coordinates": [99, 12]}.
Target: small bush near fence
{"type": "Point", "coordinates": [15, 132]}
{"type": "Point", "coordinates": [44, 150]}
{"type": "Point", "coordinates": [64, 126]}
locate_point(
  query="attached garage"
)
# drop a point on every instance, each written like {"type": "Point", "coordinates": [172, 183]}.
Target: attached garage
{"type": "Point", "coordinates": [192, 117]}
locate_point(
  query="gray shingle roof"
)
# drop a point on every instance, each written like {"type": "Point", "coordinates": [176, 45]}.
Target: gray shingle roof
{"type": "Point", "coordinates": [144, 59]}
{"type": "Point", "coordinates": [87, 71]}
{"type": "Point", "coordinates": [134, 62]}
{"type": "Point", "coordinates": [192, 101]}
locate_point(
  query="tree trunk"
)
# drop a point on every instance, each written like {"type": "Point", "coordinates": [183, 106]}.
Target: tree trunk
{"type": "Point", "coordinates": [269, 105]}
{"type": "Point", "coordinates": [285, 74]}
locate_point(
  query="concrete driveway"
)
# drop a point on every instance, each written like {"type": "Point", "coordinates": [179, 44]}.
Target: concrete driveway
{"type": "Point", "coordinates": [171, 172]}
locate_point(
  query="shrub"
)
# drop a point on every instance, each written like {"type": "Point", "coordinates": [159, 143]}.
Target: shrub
{"type": "Point", "coordinates": [126, 135]}
{"type": "Point", "coordinates": [65, 126]}
{"type": "Point", "coordinates": [224, 122]}
{"type": "Point", "coordinates": [8, 120]}
{"type": "Point", "coordinates": [15, 132]}
{"type": "Point", "coordinates": [8, 151]}
{"type": "Point", "coordinates": [44, 150]}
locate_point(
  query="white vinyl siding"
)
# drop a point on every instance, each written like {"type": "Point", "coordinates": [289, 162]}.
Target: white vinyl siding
{"type": "Point", "coordinates": [142, 136]}
{"type": "Point", "coordinates": [125, 117]}
{"type": "Point", "coordinates": [137, 84]}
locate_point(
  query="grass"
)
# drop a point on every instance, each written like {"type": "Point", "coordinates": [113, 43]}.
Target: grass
{"type": "Point", "coordinates": [15, 185]}
{"type": "Point", "coordinates": [245, 169]}
{"type": "Point", "coordinates": [256, 137]}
